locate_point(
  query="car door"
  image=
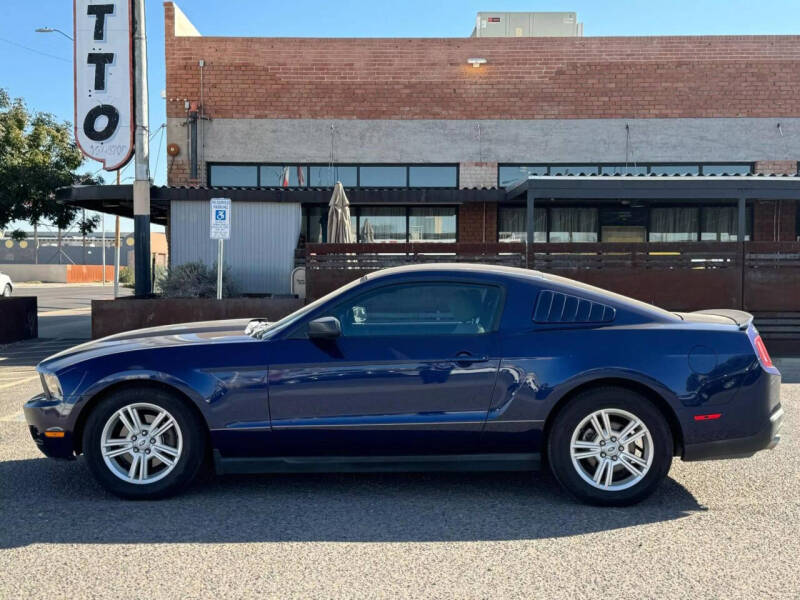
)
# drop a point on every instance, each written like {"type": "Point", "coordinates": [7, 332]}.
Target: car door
{"type": "Point", "coordinates": [411, 373]}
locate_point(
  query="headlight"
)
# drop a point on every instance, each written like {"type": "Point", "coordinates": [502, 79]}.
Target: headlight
{"type": "Point", "coordinates": [51, 385]}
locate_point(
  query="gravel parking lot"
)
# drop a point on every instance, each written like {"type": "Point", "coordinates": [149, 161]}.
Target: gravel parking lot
{"type": "Point", "coordinates": [726, 529]}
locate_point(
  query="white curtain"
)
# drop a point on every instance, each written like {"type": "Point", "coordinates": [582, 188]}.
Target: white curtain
{"type": "Point", "coordinates": [673, 224]}
{"type": "Point", "coordinates": [512, 225]}
{"type": "Point", "coordinates": [573, 225]}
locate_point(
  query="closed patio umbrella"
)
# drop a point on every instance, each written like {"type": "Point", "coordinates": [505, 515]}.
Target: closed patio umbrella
{"type": "Point", "coordinates": [367, 232]}
{"type": "Point", "coordinates": [339, 231]}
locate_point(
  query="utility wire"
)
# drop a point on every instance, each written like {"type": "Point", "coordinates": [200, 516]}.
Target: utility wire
{"type": "Point", "coordinates": [35, 51]}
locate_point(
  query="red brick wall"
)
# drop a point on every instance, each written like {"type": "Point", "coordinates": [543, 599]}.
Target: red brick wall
{"type": "Point", "coordinates": [525, 78]}
{"type": "Point", "coordinates": [477, 222]}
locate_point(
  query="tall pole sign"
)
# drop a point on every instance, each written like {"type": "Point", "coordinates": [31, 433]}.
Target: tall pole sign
{"type": "Point", "coordinates": [104, 86]}
{"type": "Point", "coordinates": [111, 120]}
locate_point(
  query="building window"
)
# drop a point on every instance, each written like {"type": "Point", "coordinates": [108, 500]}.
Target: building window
{"type": "Point", "coordinates": [511, 174]}
{"type": "Point", "coordinates": [508, 175]}
{"type": "Point", "coordinates": [233, 176]}
{"type": "Point", "coordinates": [675, 169]}
{"type": "Point", "coordinates": [726, 169]}
{"type": "Point", "coordinates": [574, 169]}
{"type": "Point", "coordinates": [378, 224]}
{"type": "Point", "coordinates": [433, 177]}
{"type": "Point", "coordinates": [573, 225]}
{"type": "Point", "coordinates": [316, 217]}
{"type": "Point", "coordinates": [512, 224]}
{"type": "Point", "coordinates": [382, 176]}
{"type": "Point", "coordinates": [431, 224]}
{"type": "Point", "coordinates": [673, 224]}
{"type": "Point", "coordinates": [283, 176]}
{"type": "Point", "coordinates": [623, 170]}
{"type": "Point", "coordinates": [328, 175]}
{"type": "Point", "coordinates": [721, 224]}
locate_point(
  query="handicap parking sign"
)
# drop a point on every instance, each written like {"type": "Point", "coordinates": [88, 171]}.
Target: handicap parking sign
{"type": "Point", "coordinates": [220, 218]}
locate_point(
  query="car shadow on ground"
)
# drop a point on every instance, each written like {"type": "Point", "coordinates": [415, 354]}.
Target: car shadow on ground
{"type": "Point", "coordinates": [46, 501]}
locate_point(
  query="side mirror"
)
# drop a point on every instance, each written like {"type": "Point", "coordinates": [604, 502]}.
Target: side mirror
{"type": "Point", "coordinates": [324, 328]}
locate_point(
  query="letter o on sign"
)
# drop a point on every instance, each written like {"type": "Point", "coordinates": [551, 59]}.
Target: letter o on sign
{"type": "Point", "coordinates": [104, 110]}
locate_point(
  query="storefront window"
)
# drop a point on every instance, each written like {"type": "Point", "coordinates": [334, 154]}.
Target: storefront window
{"type": "Point", "coordinates": [432, 177]}
{"type": "Point", "coordinates": [383, 176]}
{"type": "Point", "coordinates": [233, 176]}
{"type": "Point", "coordinates": [673, 224]}
{"type": "Point", "coordinates": [327, 176]}
{"type": "Point", "coordinates": [573, 224]}
{"type": "Point", "coordinates": [283, 176]}
{"type": "Point", "coordinates": [381, 224]}
{"type": "Point", "coordinates": [432, 224]}
{"type": "Point", "coordinates": [317, 219]}
{"type": "Point", "coordinates": [512, 221]}
{"type": "Point", "coordinates": [721, 224]}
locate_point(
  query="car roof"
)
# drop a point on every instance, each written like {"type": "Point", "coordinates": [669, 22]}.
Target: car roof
{"type": "Point", "coordinates": [457, 268]}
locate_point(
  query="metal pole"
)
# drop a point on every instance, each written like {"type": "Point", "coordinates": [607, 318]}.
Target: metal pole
{"type": "Point", "coordinates": [742, 228]}
{"type": "Point", "coordinates": [141, 184]}
{"type": "Point", "coordinates": [104, 247]}
{"type": "Point", "coordinates": [219, 270]}
{"type": "Point", "coordinates": [116, 252]}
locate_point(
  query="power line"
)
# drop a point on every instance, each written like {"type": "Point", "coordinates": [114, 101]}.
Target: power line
{"type": "Point", "coordinates": [35, 51]}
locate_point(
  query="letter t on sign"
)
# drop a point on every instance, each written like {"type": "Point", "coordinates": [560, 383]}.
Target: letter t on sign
{"type": "Point", "coordinates": [100, 11]}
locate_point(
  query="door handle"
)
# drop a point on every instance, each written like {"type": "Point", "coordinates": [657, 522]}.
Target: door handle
{"type": "Point", "coordinates": [465, 359]}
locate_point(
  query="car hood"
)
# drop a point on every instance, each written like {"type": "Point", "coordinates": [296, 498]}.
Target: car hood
{"type": "Point", "coordinates": [183, 334]}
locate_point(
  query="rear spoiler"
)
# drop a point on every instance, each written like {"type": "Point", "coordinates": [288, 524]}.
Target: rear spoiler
{"type": "Point", "coordinates": [739, 317]}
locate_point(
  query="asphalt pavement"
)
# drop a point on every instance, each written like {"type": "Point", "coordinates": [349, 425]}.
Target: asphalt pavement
{"type": "Point", "coordinates": [720, 529]}
{"type": "Point", "coordinates": [65, 310]}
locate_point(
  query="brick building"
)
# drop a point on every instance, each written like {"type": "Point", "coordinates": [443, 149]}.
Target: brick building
{"type": "Point", "coordinates": [413, 114]}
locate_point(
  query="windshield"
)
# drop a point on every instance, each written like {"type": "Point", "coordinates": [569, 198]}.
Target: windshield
{"type": "Point", "coordinates": [261, 330]}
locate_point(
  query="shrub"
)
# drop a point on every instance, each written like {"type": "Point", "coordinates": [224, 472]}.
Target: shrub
{"type": "Point", "coordinates": [125, 276]}
{"type": "Point", "coordinates": [194, 280]}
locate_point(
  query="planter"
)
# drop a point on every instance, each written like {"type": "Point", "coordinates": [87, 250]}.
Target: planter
{"type": "Point", "coordinates": [115, 316]}
{"type": "Point", "coordinates": [18, 319]}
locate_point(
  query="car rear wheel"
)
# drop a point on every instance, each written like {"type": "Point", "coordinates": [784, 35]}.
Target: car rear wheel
{"type": "Point", "coordinates": [610, 446]}
{"type": "Point", "coordinates": [143, 443]}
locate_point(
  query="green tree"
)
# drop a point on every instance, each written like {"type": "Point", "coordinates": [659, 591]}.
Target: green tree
{"type": "Point", "coordinates": [37, 156]}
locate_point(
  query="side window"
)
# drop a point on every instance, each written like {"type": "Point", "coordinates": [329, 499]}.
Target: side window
{"type": "Point", "coordinates": [421, 309]}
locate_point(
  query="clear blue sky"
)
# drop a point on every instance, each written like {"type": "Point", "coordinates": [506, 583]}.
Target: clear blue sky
{"type": "Point", "coordinates": [38, 67]}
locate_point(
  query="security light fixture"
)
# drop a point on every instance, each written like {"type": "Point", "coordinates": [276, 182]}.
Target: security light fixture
{"type": "Point", "coordinates": [476, 62]}
{"type": "Point", "coordinates": [52, 30]}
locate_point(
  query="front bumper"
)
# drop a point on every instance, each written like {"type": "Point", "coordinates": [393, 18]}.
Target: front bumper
{"type": "Point", "coordinates": [42, 414]}
{"type": "Point", "coordinates": [742, 447]}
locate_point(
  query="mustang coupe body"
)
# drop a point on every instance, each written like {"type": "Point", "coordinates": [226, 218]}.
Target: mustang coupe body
{"type": "Point", "coordinates": [454, 367]}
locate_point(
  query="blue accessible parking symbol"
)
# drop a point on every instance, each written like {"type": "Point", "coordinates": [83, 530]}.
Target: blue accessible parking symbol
{"type": "Point", "coordinates": [220, 215]}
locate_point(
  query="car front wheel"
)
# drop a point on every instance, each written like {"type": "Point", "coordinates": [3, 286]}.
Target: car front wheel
{"type": "Point", "coordinates": [610, 446]}
{"type": "Point", "coordinates": [143, 443]}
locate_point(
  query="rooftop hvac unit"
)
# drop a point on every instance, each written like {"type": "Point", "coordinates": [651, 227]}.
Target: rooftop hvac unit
{"type": "Point", "coordinates": [527, 24]}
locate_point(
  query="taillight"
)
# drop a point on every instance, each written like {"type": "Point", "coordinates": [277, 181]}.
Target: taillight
{"type": "Point", "coordinates": [761, 350]}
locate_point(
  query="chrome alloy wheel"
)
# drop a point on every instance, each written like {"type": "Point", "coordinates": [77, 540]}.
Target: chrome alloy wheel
{"type": "Point", "coordinates": [611, 449]}
{"type": "Point", "coordinates": [141, 443]}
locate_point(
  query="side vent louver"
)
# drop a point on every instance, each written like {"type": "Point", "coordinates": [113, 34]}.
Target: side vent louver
{"type": "Point", "coordinates": [557, 307]}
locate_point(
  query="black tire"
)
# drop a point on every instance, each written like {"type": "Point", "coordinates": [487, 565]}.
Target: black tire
{"type": "Point", "coordinates": [7, 291]}
{"type": "Point", "coordinates": [571, 416]}
{"type": "Point", "coordinates": [193, 439]}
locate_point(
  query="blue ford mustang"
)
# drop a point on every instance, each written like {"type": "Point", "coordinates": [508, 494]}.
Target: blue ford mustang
{"type": "Point", "coordinates": [449, 367]}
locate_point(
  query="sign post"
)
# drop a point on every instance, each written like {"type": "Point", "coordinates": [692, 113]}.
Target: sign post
{"type": "Point", "coordinates": [221, 231]}
{"type": "Point", "coordinates": [111, 118]}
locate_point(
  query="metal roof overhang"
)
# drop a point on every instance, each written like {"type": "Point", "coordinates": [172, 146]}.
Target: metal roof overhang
{"type": "Point", "coordinates": [118, 199]}
{"type": "Point", "coordinates": [627, 187]}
